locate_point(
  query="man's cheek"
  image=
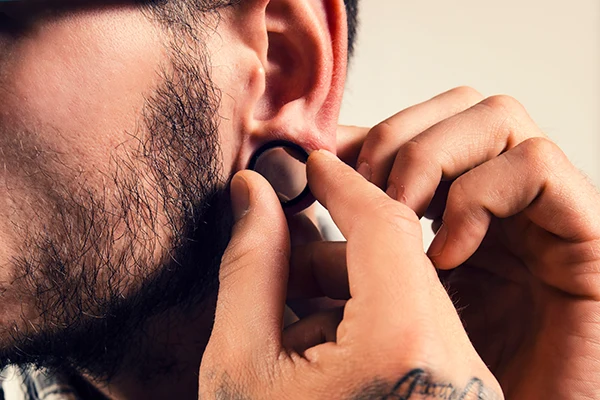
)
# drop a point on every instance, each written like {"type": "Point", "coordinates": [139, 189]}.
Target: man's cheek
{"type": "Point", "coordinates": [71, 97]}
{"type": "Point", "coordinates": [85, 76]}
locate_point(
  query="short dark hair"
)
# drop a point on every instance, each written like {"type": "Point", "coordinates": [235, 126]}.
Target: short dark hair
{"type": "Point", "coordinates": [352, 15]}
{"type": "Point", "coordinates": [177, 13]}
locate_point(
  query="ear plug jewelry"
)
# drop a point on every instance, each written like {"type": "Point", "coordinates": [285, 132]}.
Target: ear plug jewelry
{"type": "Point", "coordinates": [283, 164]}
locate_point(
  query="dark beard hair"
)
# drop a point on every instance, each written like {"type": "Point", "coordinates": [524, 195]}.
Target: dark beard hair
{"type": "Point", "coordinates": [88, 324]}
{"type": "Point", "coordinates": [95, 299]}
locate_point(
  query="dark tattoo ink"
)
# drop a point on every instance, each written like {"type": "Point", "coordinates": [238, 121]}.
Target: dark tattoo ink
{"type": "Point", "coordinates": [418, 384]}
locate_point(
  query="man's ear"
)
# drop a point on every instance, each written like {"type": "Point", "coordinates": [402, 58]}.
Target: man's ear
{"type": "Point", "coordinates": [293, 88]}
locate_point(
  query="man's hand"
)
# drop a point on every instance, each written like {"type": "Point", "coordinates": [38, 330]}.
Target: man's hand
{"type": "Point", "coordinates": [399, 337]}
{"type": "Point", "coordinates": [520, 230]}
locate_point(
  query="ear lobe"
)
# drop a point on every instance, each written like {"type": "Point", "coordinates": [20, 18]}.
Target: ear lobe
{"type": "Point", "coordinates": [304, 73]}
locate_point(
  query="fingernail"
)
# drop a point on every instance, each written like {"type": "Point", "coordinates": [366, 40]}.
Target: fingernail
{"type": "Point", "coordinates": [364, 170]}
{"type": "Point", "coordinates": [323, 152]}
{"type": "Point", "coordinates": [437, 246]}
{"type": "Point", "coordinates": [240, 197]}
{"type": "Point", "coordinates": [392, 191]}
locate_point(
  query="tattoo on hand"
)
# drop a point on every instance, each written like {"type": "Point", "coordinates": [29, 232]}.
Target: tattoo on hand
{"type": "Point", "coordinates": [419, 385]}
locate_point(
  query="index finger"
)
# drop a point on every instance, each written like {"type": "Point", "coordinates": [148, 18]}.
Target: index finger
{"type": "Point", "coordinates": [254, 271]}
{"type": "Point", "coordinates": [385, 255]}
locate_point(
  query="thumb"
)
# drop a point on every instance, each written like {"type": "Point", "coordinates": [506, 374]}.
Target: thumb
{"type": "Point", "coordinates": [254, 269]}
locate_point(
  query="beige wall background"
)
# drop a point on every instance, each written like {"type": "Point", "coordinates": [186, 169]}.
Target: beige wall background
{"type": "Point", "coordinates": [545, 53]}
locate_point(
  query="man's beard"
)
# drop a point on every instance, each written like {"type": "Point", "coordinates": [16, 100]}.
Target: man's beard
{"type": "Point", "coordinates": [97, 270]}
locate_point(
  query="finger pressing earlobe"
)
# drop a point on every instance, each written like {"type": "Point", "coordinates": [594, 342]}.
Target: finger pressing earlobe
{"type": "Point", "coordinates": [332, 181]}
{"type": "Point", "coordinates": [254, 268]}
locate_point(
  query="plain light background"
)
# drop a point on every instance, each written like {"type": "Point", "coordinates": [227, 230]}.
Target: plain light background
{"type": "Point", "coordinates": [545, 53]}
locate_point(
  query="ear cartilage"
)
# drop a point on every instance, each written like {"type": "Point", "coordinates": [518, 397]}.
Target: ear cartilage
{"type": "Point", "coordinates": [283, 164]}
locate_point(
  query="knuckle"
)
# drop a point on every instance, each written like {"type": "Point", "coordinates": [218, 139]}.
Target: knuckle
{"type": "Point", "coordinates": [384, 131]}
{"type": "Point", "coordinates": [541, 151]}
{"type": "Point", "coordinates": [413, 152]}
{"type": "Point", "coordinates": [539, 147]}
{"type": "Point", "coordinates": [467, 93]}
{"type": "Point", "coordinates": [503, 103]}
{"type": "Point", "coordinates": [509, 118]}
{"type": "Point", "coordinates": [458, 194]}
{"type": "Point", "coordinates": [464, 202]}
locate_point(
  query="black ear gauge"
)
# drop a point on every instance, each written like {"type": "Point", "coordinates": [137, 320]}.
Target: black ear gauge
{"type": "Point", "coordinates": [283, 164]}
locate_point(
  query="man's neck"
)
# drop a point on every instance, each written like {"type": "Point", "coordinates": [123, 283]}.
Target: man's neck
{"type": "Point", "coordinates": [167, 362]}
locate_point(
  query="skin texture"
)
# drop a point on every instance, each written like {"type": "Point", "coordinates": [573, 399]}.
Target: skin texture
{"type": "Point", "coordinates": [104, 185]}
{"type": "Point", "coordinates": [374, 350]}
{"type": "Point", "coordinates": [516, 253]}
{"type": "Point", "coordinates": [518, 223]}
{"type": "Point", "coordinates": [120, 127]}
